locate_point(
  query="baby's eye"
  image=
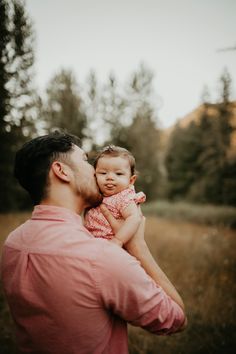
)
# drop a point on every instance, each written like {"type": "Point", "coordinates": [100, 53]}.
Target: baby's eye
{"type": "Point", "coordinates": [101, 173]}
{"type": "Point", "coordinates": [119, 173]}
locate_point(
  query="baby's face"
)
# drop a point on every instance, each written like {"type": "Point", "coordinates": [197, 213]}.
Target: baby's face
{"type": "Point", "coordinates": [113, 175]}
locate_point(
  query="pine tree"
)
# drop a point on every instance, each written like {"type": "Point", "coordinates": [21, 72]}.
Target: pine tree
{"type": "Point", "coordinates": [62, 109]}
{"type": "Point", "coordinates": [181, 160]}
{"type": "Point", "coordinates": [16, 107]}
{"type": "Point", "coordinates": [134, 126]}
{"type": "Point", "coordinates": [198, 163]}
{"type": "Point", "coordinates": [225, 87]}
{"type": "Point", "coordinates": [114, 106]}
{"type": "Point", "coordinates": [143, 140]}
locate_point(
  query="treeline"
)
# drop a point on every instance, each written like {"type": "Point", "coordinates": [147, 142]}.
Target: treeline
{"type": "Point", "coordinates": [200, 158]}
{"type": "Point", "coordinates": [194, 165]}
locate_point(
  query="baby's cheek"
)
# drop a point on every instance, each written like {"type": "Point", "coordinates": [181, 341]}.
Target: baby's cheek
{"type": "Point", "coordinates": [99, 181]}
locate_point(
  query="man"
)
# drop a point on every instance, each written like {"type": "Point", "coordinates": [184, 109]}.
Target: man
{"type": "Point", "coordinates": [68, 292]}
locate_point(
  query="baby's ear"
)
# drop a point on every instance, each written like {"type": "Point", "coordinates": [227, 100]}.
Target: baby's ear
{"type": "Point", "coordinates": [133, 179]}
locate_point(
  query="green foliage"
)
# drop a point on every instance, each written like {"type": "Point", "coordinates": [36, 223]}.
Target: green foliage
{"type": "Point", "coordinates": [225, 87]}
{"type": "Point", "coordinates": [196, 167]}
{"type": "Point", "coordinates": [229, 183]}
{"type": "Point", "coordinates": [17, 95]}
{"type": "Point", "coordinates": [195, 213]}
{"type": "Point", "coordinates": [200, 162]}
{"type": "Point", "coordinates": [197, 159]}
{"type": "Point", "coordinates": [133, 125]}
{"type": "Point", "coordinates": [62, 109]}
{"type": "Point", "coordinates": [181, 160]}
{"type": "Point", "coordinates": [143, 142]}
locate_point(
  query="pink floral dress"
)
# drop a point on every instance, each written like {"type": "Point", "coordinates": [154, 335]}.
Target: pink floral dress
{"type": "Point", "coordinates": [97, 224]}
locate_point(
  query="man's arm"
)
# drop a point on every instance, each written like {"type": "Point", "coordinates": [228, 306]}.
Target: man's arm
{"type": "Point", "coordinates": [127, 291]}
{"type": "Point", "coordinates": [138, 248]}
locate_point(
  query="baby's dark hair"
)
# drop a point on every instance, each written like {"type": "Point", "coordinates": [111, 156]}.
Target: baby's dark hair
{"type": "Point", "coordinates": [117, 151]}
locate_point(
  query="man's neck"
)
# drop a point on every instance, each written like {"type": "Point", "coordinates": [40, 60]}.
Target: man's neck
{"type": "Point", "coordinates": [77, 206]}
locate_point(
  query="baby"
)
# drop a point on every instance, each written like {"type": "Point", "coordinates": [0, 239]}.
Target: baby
{"type": "Point", "coordinates": [115, 173]}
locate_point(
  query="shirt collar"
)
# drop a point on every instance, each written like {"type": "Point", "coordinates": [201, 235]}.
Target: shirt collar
{"type": "Point", "coordinates": [51, 212]}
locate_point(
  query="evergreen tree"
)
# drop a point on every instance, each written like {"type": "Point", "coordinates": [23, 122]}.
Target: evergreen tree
{"type": "Point", "coordinates": [143, 140]}
{"type": "Point", "coordinates": [197, 162]}
{"type": "Point", "coordinates": [62, 109]}
{"type": "Point", "coordinates": [210, 162]}
{"type": "Point", "coordinates": [134, 126]}
{"type": "Point", "coordinates": [16, 107]}
{"type": "Point", "coordinates": [91, 104]}
{"type": "Point", "coordinates": [205, 96]}
{"type": "Point", "coordinates": [229, 183]}
{"type": "Point", "coordinates": [225, 87]}
{"type": "Point", "coordinates": [114, 106]}
{"type": "Point", "coordinates": [181, 160]}
{"type": "Point", "coordinates": [216, 130]}
{"type": "Point", "coordinates": [5, 149]}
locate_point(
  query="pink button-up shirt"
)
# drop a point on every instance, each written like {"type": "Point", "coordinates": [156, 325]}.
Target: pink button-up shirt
{"type": "Point", "coordinates": [71, 293]}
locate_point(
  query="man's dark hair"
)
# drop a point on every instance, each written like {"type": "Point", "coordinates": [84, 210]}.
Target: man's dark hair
{"type": "Point", "coordinates": [34, 159]}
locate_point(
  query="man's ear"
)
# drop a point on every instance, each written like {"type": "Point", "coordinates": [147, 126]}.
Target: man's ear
{"type": "Point", "coordinates": [61, 171]}
{"type": "Point", "coordinates": [132, 179]}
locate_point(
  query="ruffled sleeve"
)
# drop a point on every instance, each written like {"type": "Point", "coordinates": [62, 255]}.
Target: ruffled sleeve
{"type": "Point", "coordinates": [139, 198]}
{"type": "Point", "coordinates": [128, 195]}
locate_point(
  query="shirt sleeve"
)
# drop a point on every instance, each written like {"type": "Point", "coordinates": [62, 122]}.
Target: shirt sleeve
{"type": "Point", "coordinates": [126, 290]}
{"type": "Point", "coordinates": [128, 195]}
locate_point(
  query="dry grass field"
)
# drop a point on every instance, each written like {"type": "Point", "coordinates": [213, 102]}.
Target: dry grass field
{"type": "Point", "coordinates": [201, 262]}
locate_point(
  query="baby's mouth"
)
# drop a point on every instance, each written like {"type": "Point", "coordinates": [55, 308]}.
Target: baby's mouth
{"type": "Point", "coordinates": [109, 186]}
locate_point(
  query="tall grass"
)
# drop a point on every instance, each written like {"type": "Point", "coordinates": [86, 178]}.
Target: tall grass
{"type": "Point", "coordinates": [202, 214]}
{"type": "Point", "coordinates": [201, 262]}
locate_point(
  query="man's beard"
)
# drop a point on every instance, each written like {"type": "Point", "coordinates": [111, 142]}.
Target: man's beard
{"type": "Point", "coordinates": [91, 198]}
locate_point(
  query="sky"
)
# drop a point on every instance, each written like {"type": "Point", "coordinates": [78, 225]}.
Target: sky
{"type": "Point", "coordinates": [178, 40]}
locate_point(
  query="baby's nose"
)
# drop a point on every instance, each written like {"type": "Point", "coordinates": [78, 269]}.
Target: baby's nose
{"type": "Point", "coordinates": [109, 175]}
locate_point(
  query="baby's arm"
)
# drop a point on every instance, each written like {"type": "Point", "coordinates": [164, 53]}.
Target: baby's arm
{"type": "Point", "coordinates": [132, 219]}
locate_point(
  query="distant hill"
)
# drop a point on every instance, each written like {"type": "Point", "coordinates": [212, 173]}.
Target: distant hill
{"type": "Point", "coordinates": [195, 116]}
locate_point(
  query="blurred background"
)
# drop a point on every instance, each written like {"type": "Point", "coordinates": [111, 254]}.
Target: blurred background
{"type": "Point", "coordinates": [157, 77]}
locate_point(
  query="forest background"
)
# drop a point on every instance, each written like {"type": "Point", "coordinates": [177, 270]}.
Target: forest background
{"type": "Point", "coordinates": [196, 162]}
{"type": "Point", "coordinates": [187, 170]}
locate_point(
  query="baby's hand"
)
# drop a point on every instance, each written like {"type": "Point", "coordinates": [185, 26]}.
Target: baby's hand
{"type": "Point", "coordinates": [115, 223]}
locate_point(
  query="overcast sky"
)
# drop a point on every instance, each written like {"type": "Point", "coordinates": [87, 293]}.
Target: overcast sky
{"type": "Point", "coordinates": [177, 39]}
